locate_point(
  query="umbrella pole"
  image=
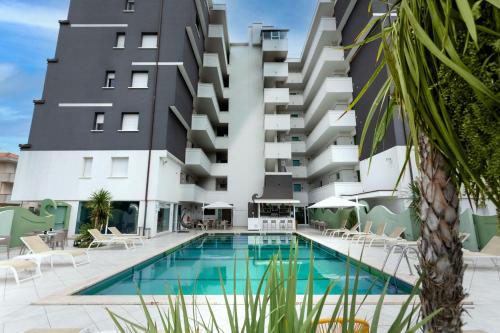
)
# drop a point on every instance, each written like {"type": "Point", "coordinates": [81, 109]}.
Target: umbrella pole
{"type": "Point", "coordinates": [357, 212]}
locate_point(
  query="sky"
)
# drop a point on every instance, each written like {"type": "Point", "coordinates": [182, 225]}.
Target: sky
{"type": "Point", "coordinates": [28, 36]}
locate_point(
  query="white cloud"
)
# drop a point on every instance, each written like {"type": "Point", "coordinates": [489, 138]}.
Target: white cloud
{"type": "Point", "coordinates": [9, 114]}
{"type": "Point", "coordinates": [6, 71]}
{"type": "Point", "coordinates": [31, 15]}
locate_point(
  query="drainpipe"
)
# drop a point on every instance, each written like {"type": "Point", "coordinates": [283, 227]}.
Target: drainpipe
{"type": "Point", "coordinates": [153, 112]}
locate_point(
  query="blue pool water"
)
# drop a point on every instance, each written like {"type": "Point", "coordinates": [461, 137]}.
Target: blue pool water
{"type": "Point", "coordinates": [200, 263]}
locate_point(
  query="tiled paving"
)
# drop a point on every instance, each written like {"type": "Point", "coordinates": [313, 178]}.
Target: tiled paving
{"type": "Point", "coordinates": [17, 312]}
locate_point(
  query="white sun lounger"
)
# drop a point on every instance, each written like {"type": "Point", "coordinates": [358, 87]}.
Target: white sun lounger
{"type": "Point", "coordinates": [490, 252]}
{"type": "Point", "coordinates": [340, 232]}
{"type": "Point", "coordinates": [379, 231]}
{"type": "Point", "coordinates": [117, 233]}
{"type": "Point", "coordinates": [383, 239]}
{"type": "Point", "coordinates": [366, 231]}
{"type": "Point", "coordinates": [342, 227]}
{"type": "Point", "coordinates": [16, 265]}
{"type": "Point", "coordinates": [38, 248]}
{"type": "Point", "coordinates": [101, 239]}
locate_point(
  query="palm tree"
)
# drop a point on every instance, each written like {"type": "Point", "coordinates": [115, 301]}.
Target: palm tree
{"type": "Point", "coordinates": [100, 207]}
{"type": "Point", "coordinates": [415, 44]}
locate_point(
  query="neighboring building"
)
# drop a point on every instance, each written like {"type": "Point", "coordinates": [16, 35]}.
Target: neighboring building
{"type": "Point", "coordinates": [8, 164]}
{"type": "Point", "coordinates": [150, 100]}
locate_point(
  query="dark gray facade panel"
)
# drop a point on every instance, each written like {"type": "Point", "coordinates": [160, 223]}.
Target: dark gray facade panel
{"type": "Point", "coordinates": [84, 56]}
{"type": "Point", "coordinates": [176, 137]}
{"type": "Point", "coordinates": [357, 21]}
{"type": "Point", "coordinates": [277, 187]}
{"type": "Point", "coordinates": [340, 8]}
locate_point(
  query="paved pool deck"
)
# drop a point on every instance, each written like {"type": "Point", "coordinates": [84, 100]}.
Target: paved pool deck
{"type": "Point", "coordinates": [35, 303]}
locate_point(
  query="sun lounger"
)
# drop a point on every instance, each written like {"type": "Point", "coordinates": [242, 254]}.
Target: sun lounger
{"type": "Point", "coordinates": [100, 239]}
{"type": "Point", "coordinates": [38, 248]}
{"type": "Point", "coordinates": [491, 251]}
{"type": "Point", "coordinates": [383, 239]}
{"type": "Point", "coordinates": [379, 231]}
{"type": "Point", "coordinates": [117, 233]}
{"type": "Point", "coordinates": [366, 231]}
{"type": "Point", "coordinates": [342, 226]}
{"type": "Point", "coordinates": [17, 265]}
{"type": "Point", "coordinates": [340, 232]}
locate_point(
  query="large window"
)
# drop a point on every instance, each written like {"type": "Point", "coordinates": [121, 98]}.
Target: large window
{"type": "Point", "coordinates": [109, 82]}
{"type": "Point", "coordinates": [98, 122]}
{"type": "Point", "coordinates": [129, 5]}
{"type": "Point", "coordinates": [120, 40]}
{"type": "Point", "coordinates": [139, 80]}
{"type": "Point", "coordinates": [163, 222]}
{"type": "Point", "coordinates": [119, 167]}
{"type": "Point", "coordinates": [274, 34]}
{"type": "Point", "coordinates": [130, 122]}
{"type": "Point", "coordinates": [149, 41]}
{"type": "Point", "coordinates": [297, 187]}
{"type": "Point", "coordinates": [124, 216]}
{"type": "Point", "coordinates": [296, 163]}
{"type": "Point", "coordinates": [87, 167]}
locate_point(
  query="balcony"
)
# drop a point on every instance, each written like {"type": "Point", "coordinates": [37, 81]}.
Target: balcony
{"type": "Point", "coordinates": [333, 91]}
{"type": "Point", "coordinates": [331, 125]}
{"type": "Point", "coordinates": [275, 71]}
{"type": "Point", "coordinates": [298, 147]}
{"type": "Point", "coordinates": [276, 96]}
{"type": "Point", "coordinates": [297, 171]}
{"type": "Point", "coordinates": [274, 49]}
{"type": "Point", "coordinates": [296, 102]}
{"type": "Point", "coordinates": [7, 177]}
{"type": "Point", "coordinates": [197, 162]}
{"type": "Point", "coordinates": [207, 103]}
{"type": "Point", "coordinates": [216, 43]}
{"type": "Point", "coordinates": [202, 132]}
{"type": "Point", "coordinates": [334, 189]}
{"type": "Point", "coordinates": [278, 150]}
{"type": "Point", "coordinates": [211, 72]}
{"type": "Point", "coordinates": [330, 63]}
{"type": "Point", "coordinates": [296, 124]}
{"type": "Point", "coordinates": [5, 198]}
{"type": "Point", "coordinates": [192, 193]}
{"type": "Point", "coordinates": [332, 158]}
{"type": "Point", "coordinates": [277, 122]}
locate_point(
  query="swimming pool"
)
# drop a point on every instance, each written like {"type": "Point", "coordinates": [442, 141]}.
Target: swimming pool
{"type": "Point", "coordinates": [199, 264]}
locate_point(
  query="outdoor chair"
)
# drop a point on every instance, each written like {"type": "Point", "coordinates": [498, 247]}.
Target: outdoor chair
{"type": "Point", "coordinates": [5, 241]}
{"type": "Point", "coordinates": [395, 235]}
{"type": "Point", "coordinates": [360, 326]}
{"type": "Point", "coordinates": [100, 239]}
{"type": "Point", "coordinates": [490, 252]}
{"type": "Point", "coordinates": [366, 231]}
{"type": "Point", "coordinates": [60, 239]}
{"type": "Point", "coordinates": [340, 232]}
{"type": "Point", "coordinates": [343, 223]}
{"type": "Point", "coordinates": [379, 231]}
{"type": "Point", "coordinates": [273, 222]}
{"type": "Point", "coordinates": [289, 224]}
{"type": "Point", "coordinates": [265, 224]}
{"type": "Point", "coordinates": [282, 224]}
{"type": "Point", "coordinates": [132, 237]}
{"type": "Point", "coordinates": [15, 266]}
{"type": "Point", "coordinates": [38, 249]}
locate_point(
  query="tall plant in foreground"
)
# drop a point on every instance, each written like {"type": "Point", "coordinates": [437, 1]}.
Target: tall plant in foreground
{"type": "Point", "coordinates": [422, 39]}
{"type": "Point", "coordinates": [272, 307]}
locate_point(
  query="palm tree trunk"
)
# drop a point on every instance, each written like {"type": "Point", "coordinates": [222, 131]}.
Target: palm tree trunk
{"type": "Point", "coordinates": [441, 263]}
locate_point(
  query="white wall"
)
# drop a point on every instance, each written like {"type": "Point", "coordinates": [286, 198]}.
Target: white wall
{"type": "Point", "coordinates": [246, 132]}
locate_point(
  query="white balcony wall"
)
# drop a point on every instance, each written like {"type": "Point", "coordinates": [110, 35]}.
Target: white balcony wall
{"type": "Point", "coordinates": [201, 123]}
{"type": "Point", "coordinates": [196, 159]}
{"type": "Point", "coordinates": [333, 123]}
{"type": "Point", "coordinates": [277, 96]}
{"type": "Point", "coordinates": [276, 69]}
{"type": "Point", "coordinates": [298, 147]}
{"type": "Point", "coordinates": [303, 197]}
{"type": "Point", "coordinates": [297, 100]}
{"type": "Point", "coordinates": [277, 122]}
{"type": "Point", "coordinates": [297, 123]}
{"type": "Point", "coordinates": [333, 157]}
{"type": "Point", "coordinates": [221, 143]}
{"type": "Point", "coordinates": [294, 78]}
{"type": "Point", "coordinates": [213, 73]}
{"type": "Point", "coordinates": [192, 193]}
{"type": "Point", "coordinates": [334, 189]}
{"type": "Point", "coordinates": [278, 150]}
{"type": "Point", "coordinates": [298, 171]}
{"type": "Point", "coordinates": [216, 43]}
{"type": "Point", "coordinates": [208, 103]}
{"type": "Point", "coordinates": [273, 45]}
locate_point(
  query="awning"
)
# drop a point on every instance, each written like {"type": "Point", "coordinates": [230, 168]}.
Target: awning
{"type": "Point", "coordinates": [218, 205]}
{"type": "Point", "coordinates": [277, 201]}
{"type": "Point", "coordinates": [335, 202]}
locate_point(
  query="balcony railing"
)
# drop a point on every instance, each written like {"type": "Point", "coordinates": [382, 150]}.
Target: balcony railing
{"type": "Point", "coordinates": [278, 150]}
{"type": "Point", "coordinates": [334, 189]}
{"type": "Point", "coordinates": [333, 157]}
{"type": "Point", "coordinates": [277, 122]}
{"type": "Point", "coordinates": [7, 177]}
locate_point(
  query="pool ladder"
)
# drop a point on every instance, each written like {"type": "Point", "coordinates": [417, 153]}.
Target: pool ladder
{"type": "Point", "coordinates": [404, 253]}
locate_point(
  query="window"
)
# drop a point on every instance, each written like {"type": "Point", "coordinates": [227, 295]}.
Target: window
{"type": "Point", "coordinates": [119, 166]}
{"type": "Point", "coordinates": [294, 115]}
{"type": "Point", "coordinates": [98, 122]}
{"type": "Point", "coordinates": [139, 80]}
{"type": "Point", "coordinates": [297, 187]}
{"type": "Point", "coordinates": [296, 163]}
{"type": "Point", "coordinates": [221, 184]}
{"type": "Point", "coordinates": [149, 41]}
{"type": "Point", "coordinates": [87, 167]}
{"type": "Point", "coordinates": [120, 40]}
{"type": "Point", "coordinates": [130, 122]}
{"type": "Point", "coordinates": [110, 79]}
{"type": "Point", "coordinates": [295, 138]}
{"type": "Point", "coordinates": [221, 157]}
{"type": "Point", "coordinates": [222, 130]}
{"type": "Point", "coordinates": [129, 5]}
{"type": "Point", "coordinates": [198, 26]}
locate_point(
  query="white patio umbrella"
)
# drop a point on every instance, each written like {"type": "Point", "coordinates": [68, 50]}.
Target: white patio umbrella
{"type": "Point", "coordinates": [219, 205]}
{"type": "Point", "coordinates": [336, 202]}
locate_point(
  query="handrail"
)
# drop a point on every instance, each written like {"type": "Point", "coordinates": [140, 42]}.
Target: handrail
{"type": "Point", "coordinates": [404, 250]}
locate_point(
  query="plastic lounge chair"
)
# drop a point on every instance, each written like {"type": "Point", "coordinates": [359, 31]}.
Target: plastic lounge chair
{"type": "Point", "coordinates": [100, 239]}
{"type": "Point", "coordinates": [117, 233]}
{"type": "Point", "coordinates": [379, 231]}
{"type": "Point", "coordinates": [395, 235]}
{"type": "Point", "coordinates": [342, 226]}
{"type": "Point", "coordinates": [39, 249]}
{"type": "Point", "coordinates": [17, 265]}
{"type": "Point", "coordinates": [340, 232]}
{"type": "Point", "coordinates": [335, 326]}
{"type": "Point", "coordinates": [491, 251]}
{"type": "Point", "coordinates": [366, 231]}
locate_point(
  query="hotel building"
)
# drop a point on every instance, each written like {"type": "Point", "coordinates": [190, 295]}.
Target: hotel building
{"type": "Point", "coordinates": [150, 100]}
